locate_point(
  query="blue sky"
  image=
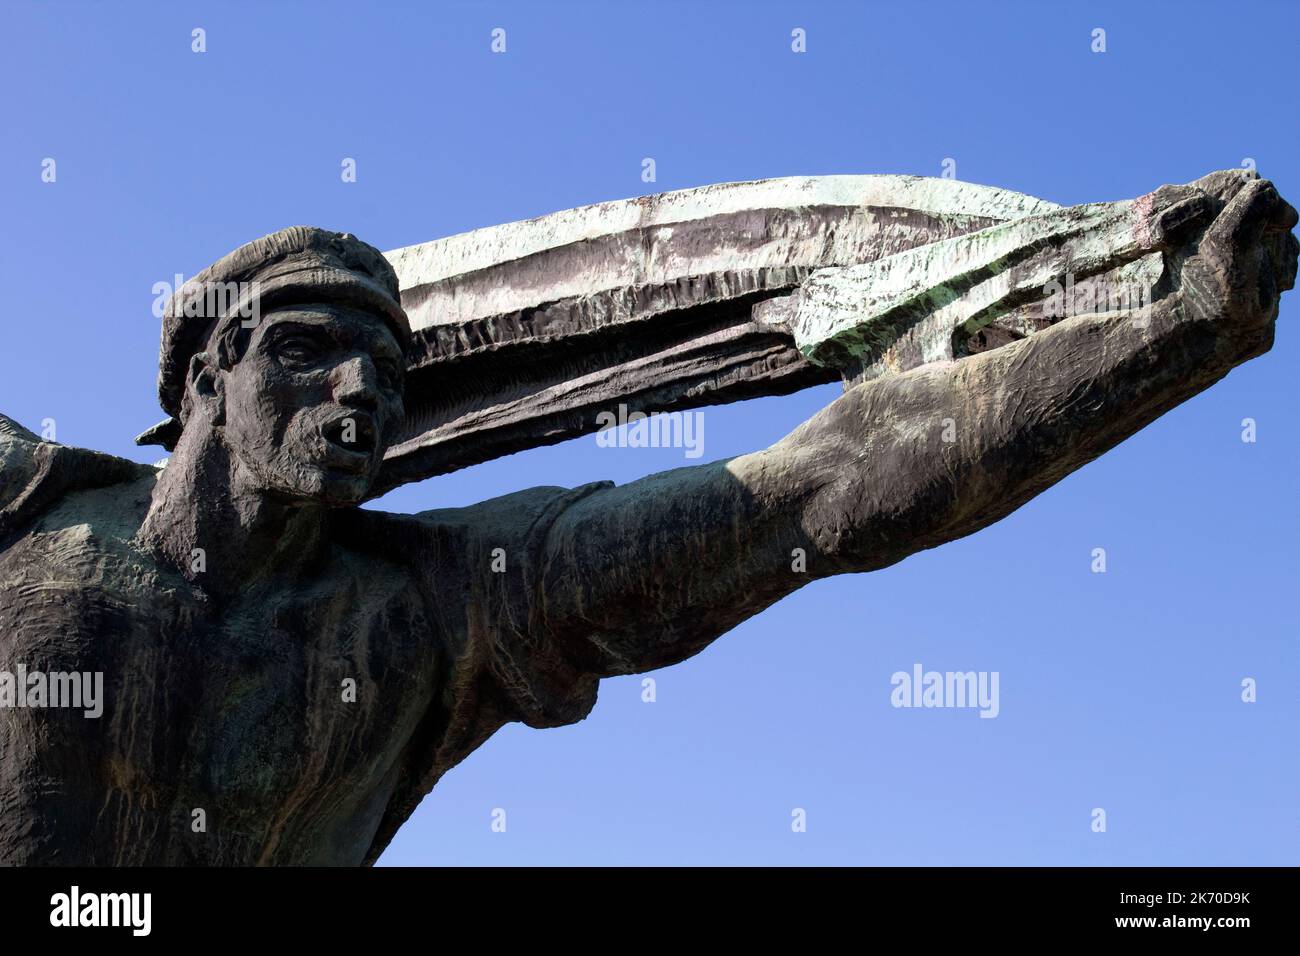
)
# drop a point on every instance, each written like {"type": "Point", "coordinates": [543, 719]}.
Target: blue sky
{"type": "Point", "coordinates": [1118, 690]}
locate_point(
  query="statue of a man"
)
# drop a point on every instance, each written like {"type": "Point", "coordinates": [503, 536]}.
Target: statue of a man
{"type": "Point", "coordinates": [286, 675]}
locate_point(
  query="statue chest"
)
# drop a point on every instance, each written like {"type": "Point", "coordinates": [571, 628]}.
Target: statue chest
{"type": "Point", "coordinates": [270, 729]}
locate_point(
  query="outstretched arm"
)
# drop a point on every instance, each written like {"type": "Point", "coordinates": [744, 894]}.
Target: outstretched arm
{"type": "Point", "coordinates": [647, 574]}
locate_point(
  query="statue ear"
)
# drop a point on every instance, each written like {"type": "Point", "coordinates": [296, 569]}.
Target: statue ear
{"type": "Point", "coordinates": [207, 388]}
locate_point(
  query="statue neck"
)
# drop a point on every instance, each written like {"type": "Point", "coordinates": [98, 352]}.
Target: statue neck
{"type": "Point", "coordinates": [222, 533]}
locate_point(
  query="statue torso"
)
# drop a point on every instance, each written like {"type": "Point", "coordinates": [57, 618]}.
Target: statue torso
{"type": "Point", "coordinates": [271, 729]}
{"type": "Point", "coordinates": [300, 722]}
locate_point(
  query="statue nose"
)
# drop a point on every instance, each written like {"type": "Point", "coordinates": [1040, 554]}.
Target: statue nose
{"type": "Point", "coordinates": [355, 382]}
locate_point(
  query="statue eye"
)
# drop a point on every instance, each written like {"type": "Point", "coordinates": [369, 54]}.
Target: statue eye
{"type": "Point", "coordinates": [297, 348]}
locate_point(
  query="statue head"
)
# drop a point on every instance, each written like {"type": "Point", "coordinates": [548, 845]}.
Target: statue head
{"type": "Point", "coordinates": [290, 354]}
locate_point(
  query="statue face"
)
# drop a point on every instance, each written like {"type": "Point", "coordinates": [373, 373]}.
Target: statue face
{"type": "Point", "coordinates": [313, 403]}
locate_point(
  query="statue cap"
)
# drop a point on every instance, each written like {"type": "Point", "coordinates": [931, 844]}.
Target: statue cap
{"type": "Point", "coordinates": [299, 264]}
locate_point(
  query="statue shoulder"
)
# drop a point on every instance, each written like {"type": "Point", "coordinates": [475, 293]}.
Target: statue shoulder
{"type": "Point", "coordinates": [503, 515]}
{"type": "Point", "coordinates": [451, 539]}
{"type": "Point", "coordinates": [34, 473]}
{"type": "Point", "coordinates": [516, 514]}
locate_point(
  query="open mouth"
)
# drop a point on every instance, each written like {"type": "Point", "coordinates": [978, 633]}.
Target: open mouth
{"type": "Point", "coordinates": [353, 434]}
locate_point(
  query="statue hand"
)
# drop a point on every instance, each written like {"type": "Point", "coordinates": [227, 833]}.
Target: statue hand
{"type": "Point", "coordinates": [1235, 269]}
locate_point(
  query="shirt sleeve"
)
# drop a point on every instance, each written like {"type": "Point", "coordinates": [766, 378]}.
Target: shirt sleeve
{"type": "Point", "coordinates": [481, 569]}
{"type": "Point", "coordinates": [508, 652]}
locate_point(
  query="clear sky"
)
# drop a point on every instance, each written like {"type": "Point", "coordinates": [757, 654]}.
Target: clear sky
{"type": "Point", "coordinates": [1119, 691]}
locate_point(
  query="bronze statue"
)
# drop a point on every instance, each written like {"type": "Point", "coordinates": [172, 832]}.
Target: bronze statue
{"type": "Point", "coordinates": [297, 672]}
